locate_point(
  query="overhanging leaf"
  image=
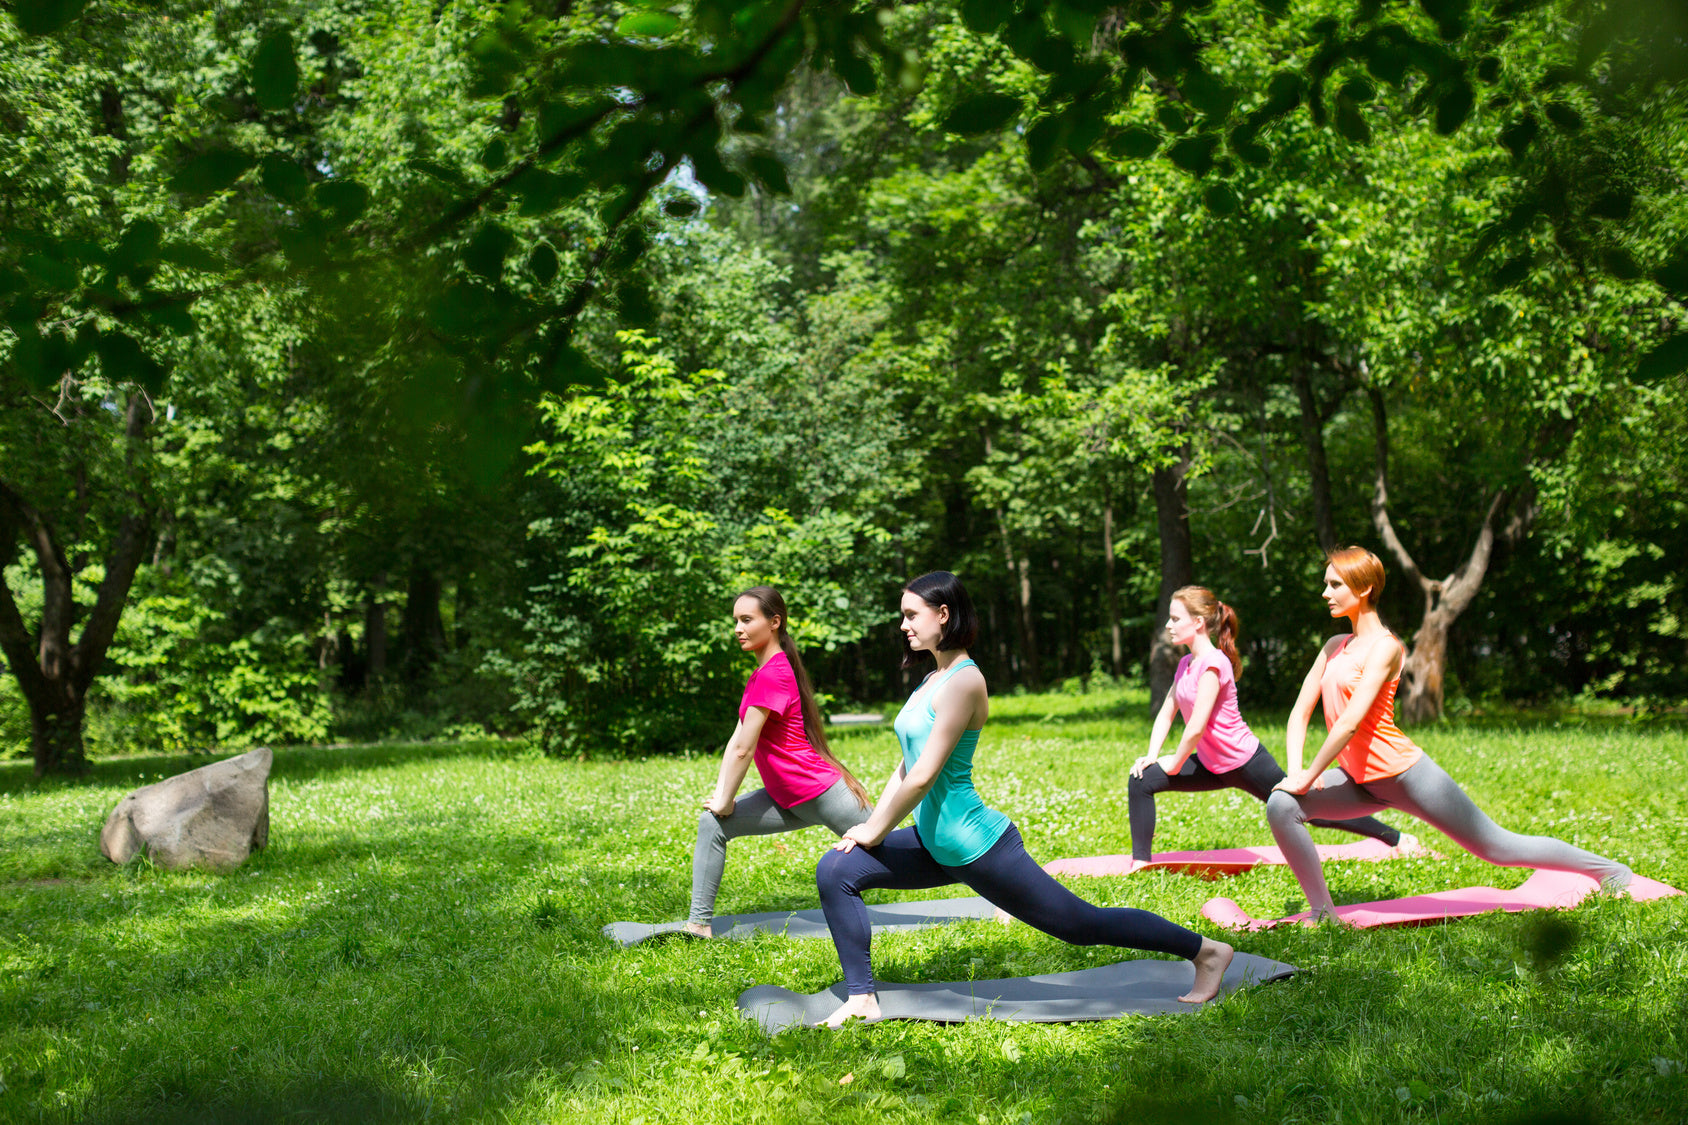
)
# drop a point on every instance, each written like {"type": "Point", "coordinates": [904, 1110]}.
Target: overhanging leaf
{"type": "Point", "coordinates": [1208, 94]}
{"type": "Point", "coordinates": [982, 113]}
{"type": "Point", "coordinates": [284, 179]}
{"type": "Point", "coordinates": [542, 263]}
{"type": "Point", "coordinates": [124, 361]}
{"type": "Point", "coordinates": [769, 172]}
{"type": "Point", "coordinates": [984, 16]}
{"type": "Point", "coordinates": [43, 17]}
{"type": "Point", "coordinates": [210, 171]}
{"type": "Point", "coordinates": [1453, 107]}
{"type": "Point", "coordinates": [1666, 360]}
{"type": "Point", "coordinates": [191, 256]}
{"type": "Point", "coordinates": [1135, 142]}
{"type": "Point", "coordinates": [1194, 154]}
{"type": "Point", "coordinates": [344, 200]}
{"type": "Point", "coordinates": [486, 251]}
{"type": "Point", "coordinates": [275, 72]}
{"type": "Point", "coordinates": [1219, 199]}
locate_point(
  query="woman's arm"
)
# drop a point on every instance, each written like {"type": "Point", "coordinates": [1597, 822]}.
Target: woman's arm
{"type": "Point", "coordinates": [1157, 737]}
{"type": "Point", "coordinates": [735, 761]}
{"type": "Point", "coordinates": [1383, 661]}
{"type": "Point", "coordinates": [1295, 734]}
{"type": "Point", "coordinates": [957, 702]}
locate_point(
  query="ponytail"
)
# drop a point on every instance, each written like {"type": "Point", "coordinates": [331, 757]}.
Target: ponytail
{"type": "Point", "coordinates": [1226, 639]}
{"type": "Point", "coordinates": [773, 605]}
{"type": "Point", "coordinates": [1221, 622]}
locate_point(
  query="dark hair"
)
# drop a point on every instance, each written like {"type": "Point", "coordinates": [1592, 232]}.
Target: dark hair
{"type": "Point", "coordinates": [1221, 621]}
{"type": "Point", "coordinates": [941, 588]}
{"type": "Point", "coordinates": [772, 605]}
{"type": "Point", "coordinates": [1361, 572]}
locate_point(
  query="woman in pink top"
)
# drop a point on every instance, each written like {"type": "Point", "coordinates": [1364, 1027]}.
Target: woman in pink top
{"type": "Point", "coordinates": [1217, 751]}
{"type": "Point", "coordinates": [780, 728]}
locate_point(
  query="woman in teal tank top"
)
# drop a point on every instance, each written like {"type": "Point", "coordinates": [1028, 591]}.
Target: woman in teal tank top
{"type": "Point", "coordinates": [956, 837]}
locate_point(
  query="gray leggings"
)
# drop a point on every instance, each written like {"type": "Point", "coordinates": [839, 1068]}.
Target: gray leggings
{"type": "Point", "coordinates": [1425, 790]}
{"type": "Point", "coordinates": [757, 815]}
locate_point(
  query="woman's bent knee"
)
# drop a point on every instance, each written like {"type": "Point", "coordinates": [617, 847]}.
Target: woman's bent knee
{"type": "Point", "coordinates": [1282, 809]}
{"type": "Point", "coordinates": [834, 871]}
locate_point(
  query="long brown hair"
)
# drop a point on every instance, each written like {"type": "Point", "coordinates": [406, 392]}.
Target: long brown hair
{"type": "Point", "coordinates": [772, 605]}
{"type": "Point", "coordinates": [1221, 621]}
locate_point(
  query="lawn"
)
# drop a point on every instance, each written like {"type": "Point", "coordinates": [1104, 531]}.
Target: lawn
{"type": "Point", "coordinates": [421, 942]}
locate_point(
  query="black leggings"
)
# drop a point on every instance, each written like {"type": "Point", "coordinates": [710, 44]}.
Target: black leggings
{"type": "Point", "coordinates": [1005, 875]}
{"type": "Point", "coordinates": [1254, 777]}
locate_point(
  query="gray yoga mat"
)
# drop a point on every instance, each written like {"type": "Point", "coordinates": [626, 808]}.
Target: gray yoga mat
{"type": "Point", "coordinates": [1129, 987]}
{"type": "Point", "coordinates": [812, 923]}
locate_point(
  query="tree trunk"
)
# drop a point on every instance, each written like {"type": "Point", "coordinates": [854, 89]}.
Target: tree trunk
{"type": "Point", "coordinates": [422, 630]}
{"type": "Point", "coordinates": [375, 632]}
{"type": "Point", "coordinates": [1313, 420]}
{"type": "Point", "coordinates": [1019, 567]}
{"type": "Point", "coordinates": [56, 738]}
{"type": "Point", "coordinates": [1419, 697]}
{"type": "Point", "coordinates": [53, 671]}
{"type": "Point", "coordinates": [1116, 652]}
{"type": "Point", "coordinates": [1177, 567]}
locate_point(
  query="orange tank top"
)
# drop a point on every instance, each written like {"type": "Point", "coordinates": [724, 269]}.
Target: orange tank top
{"type": "Point", "coordinates": [1378, 748]}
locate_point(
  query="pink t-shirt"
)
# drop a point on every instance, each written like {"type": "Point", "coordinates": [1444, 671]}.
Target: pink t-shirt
{"type": "Point", "coordinates": [1227, 742]}
{"type": "Point", "coordinates": [792, 772]}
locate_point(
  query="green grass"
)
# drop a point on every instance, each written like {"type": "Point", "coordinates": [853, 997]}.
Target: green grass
{"type": "Point", "coordinates": [420, 942]}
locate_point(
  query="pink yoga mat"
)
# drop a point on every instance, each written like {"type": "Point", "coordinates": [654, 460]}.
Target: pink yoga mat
{"type": "Point", "coordinates": [1225, 861]}
{"type": "Point", "coordinates": [1543, 890]}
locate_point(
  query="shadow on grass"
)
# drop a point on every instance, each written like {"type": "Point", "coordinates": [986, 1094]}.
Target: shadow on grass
{"type": "Point", "coordinates": [296, 763]}
{"type": "Point", "coordinates": [348, 1100]}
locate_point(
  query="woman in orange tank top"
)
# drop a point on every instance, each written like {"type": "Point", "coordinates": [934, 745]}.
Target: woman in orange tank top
{"type": "Point", "coordinates": [1379, 767]}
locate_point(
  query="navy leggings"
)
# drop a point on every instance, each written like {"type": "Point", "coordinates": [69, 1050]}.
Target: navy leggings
{"type": "Point", "coordinates": [1005, 875]}
{"type": "Point", "coordinates": [1256, 777]}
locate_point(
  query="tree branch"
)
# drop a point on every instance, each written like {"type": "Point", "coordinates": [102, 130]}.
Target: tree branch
{"type": "Point", "coordinates": [125, 559]}
{"type": "Point", "coordinates": [58, 610]}
{"type": "Point", "coordinates": [1380, 497]}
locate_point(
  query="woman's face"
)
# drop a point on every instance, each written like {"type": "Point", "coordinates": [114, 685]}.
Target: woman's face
{"type": "Point", "coordinates": [1342, 600]}
{"type": "Point", "coordinates": [752, 629]}
{"type": "Point", "coordinates": [923, 624]}
{"type": "Point", "coordinates": [1182, 627]}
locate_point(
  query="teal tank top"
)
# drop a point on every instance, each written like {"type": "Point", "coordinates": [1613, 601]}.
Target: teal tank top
{"type": "Point", "coordinates": [954, 824]}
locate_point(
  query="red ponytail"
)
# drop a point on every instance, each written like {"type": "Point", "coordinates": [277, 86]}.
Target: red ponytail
{"type": "Point", "coordinates": [1221, 622]}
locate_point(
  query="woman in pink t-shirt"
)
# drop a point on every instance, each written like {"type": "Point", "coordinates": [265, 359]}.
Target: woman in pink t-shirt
{"type": "Point", "coordinates": [780, 728]}
{"type": "Point", "coordinates": [1217, 751]}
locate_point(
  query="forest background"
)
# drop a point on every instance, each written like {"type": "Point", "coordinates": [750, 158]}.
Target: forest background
{"type": "Point", "coordinates": [412, 369]}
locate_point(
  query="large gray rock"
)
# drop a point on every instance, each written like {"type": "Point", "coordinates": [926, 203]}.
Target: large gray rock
{"type": "Point", "coordinates": [214, 816]}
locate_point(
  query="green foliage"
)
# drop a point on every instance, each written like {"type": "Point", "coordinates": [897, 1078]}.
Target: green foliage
{"type": "Point", "coordinates": [484, 989]}
{"type": "Point", "coordinates": [626, 636]}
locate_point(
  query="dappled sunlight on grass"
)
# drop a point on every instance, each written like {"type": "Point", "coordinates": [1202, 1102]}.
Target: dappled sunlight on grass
{"type": "Point", "coordinates": [421, 942]}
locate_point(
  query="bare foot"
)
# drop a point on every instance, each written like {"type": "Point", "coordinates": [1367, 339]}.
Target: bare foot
{"type": "Point", "coordinates": [864, 1008]}
{"type": "Point", "coordinates": [1211, 963]}
{"type": "Point", "coordinates": [1408, 845]}
{"type": "Point", "coordinates": [1003, 916]}
{"type": "Point", "coordinates": [1137, 865]}
{"type": "Point", "coordinates": [700, 929]}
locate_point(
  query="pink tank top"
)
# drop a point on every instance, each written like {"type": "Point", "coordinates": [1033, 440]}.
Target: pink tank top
{"type": "Point", "coordinates": [1227, 742]}
{"type": "Point", "coordinates": [1378, 748]}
